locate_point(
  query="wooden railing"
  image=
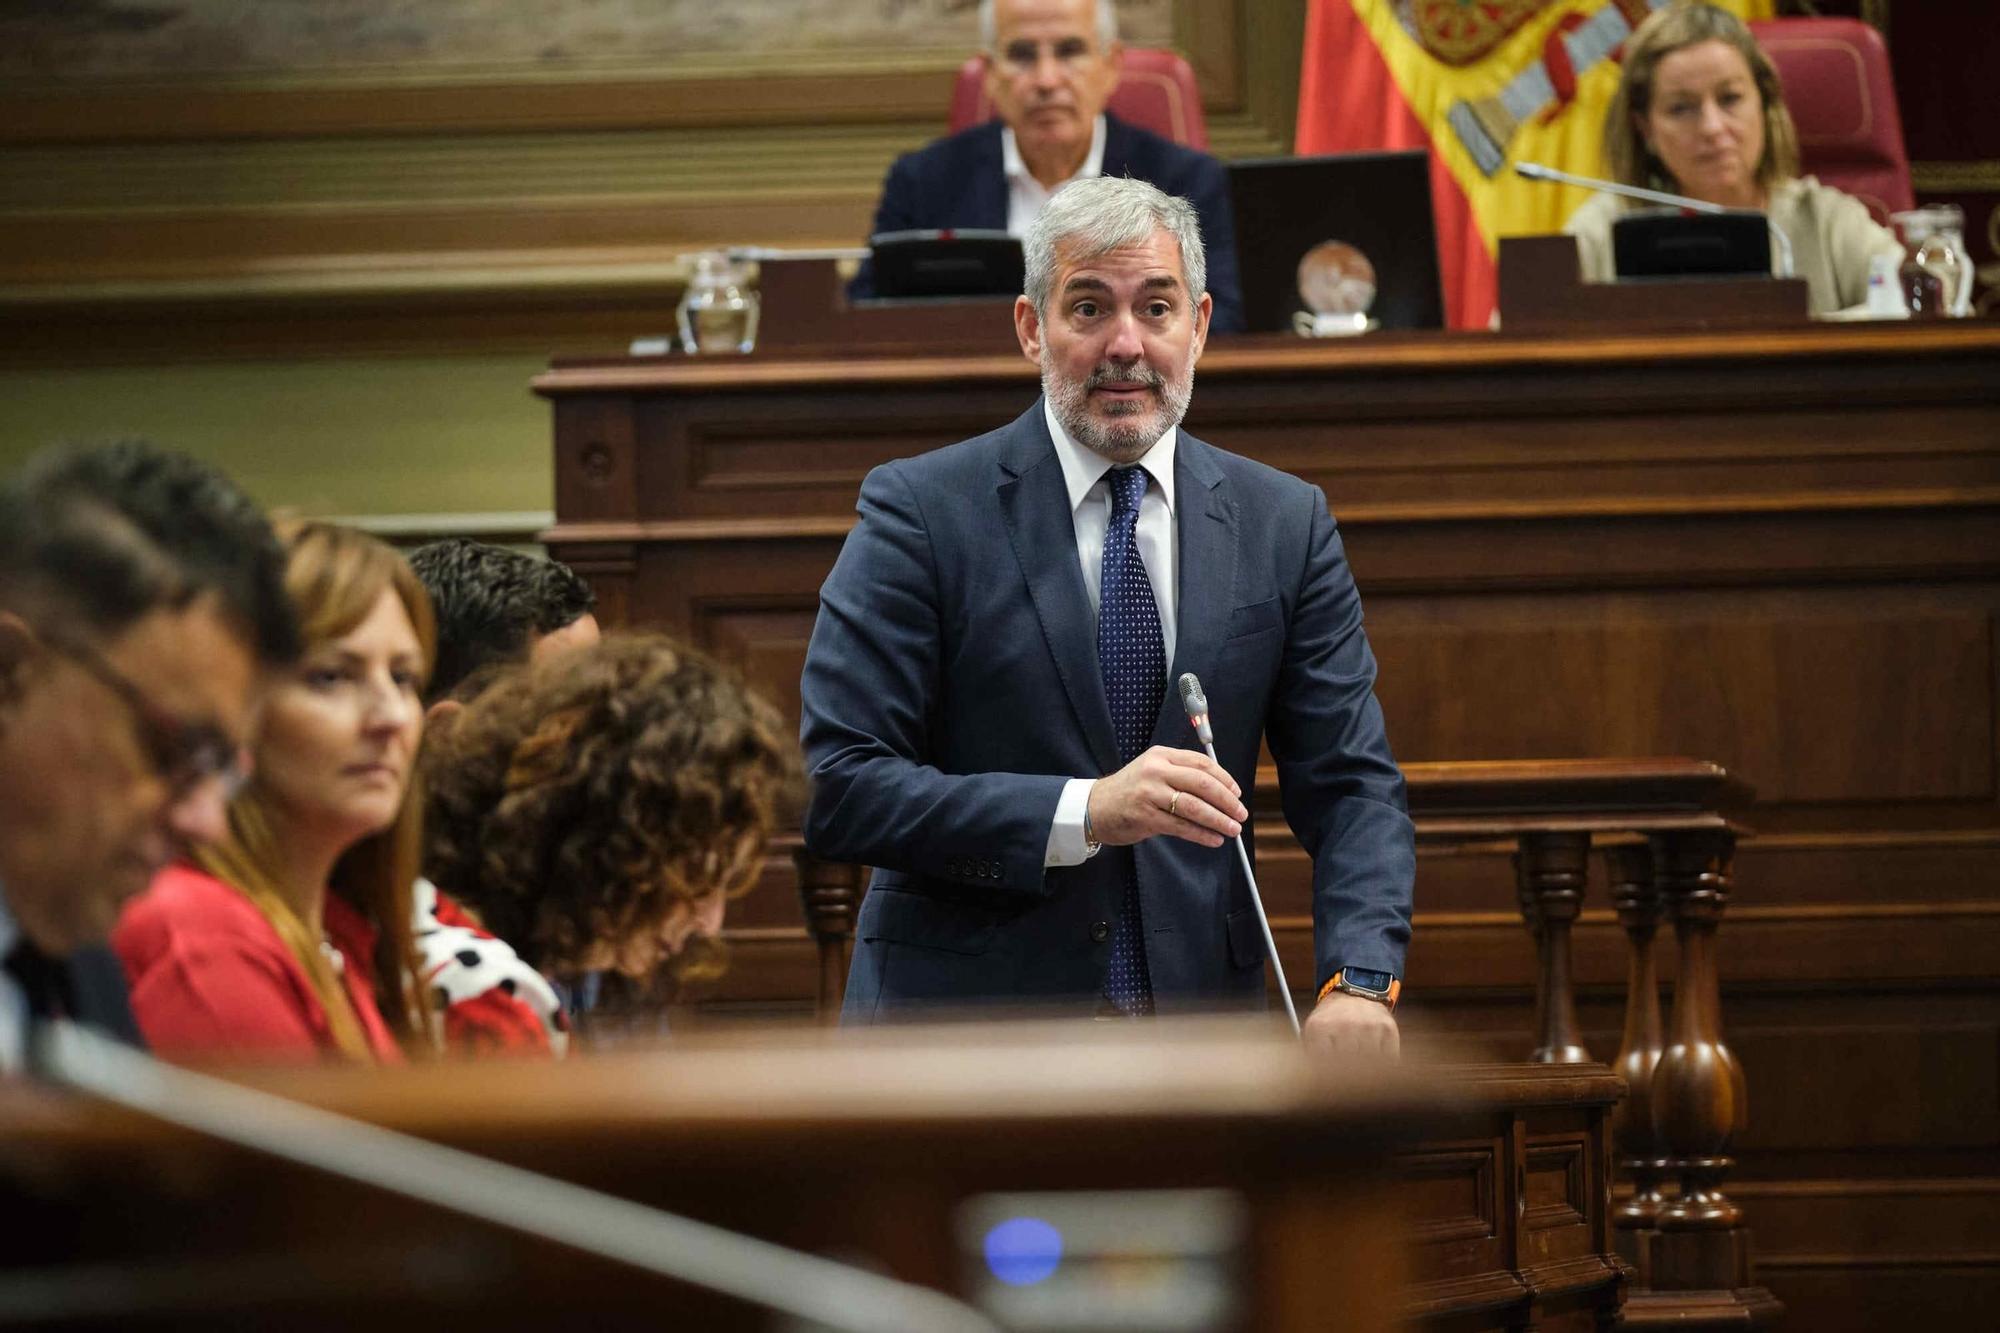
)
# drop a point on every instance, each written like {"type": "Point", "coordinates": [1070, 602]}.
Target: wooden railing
{"type": "Point", "coordinates": [1667, 831]}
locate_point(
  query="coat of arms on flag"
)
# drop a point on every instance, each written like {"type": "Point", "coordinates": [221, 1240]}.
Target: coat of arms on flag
{"type": "Point", "coordinates": [1482, 84]}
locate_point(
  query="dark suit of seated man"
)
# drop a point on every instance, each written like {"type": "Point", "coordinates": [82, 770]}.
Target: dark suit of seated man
{"type": "Point", "coordinates": [1050, 67]}
{"type": "Point", "coordinates": [142, 607]}
{"type": "Point", "coordinates": [987, 716]}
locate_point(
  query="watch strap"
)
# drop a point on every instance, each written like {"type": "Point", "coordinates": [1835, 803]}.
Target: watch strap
{"type": "Point", "coordinates": [1338, 982]}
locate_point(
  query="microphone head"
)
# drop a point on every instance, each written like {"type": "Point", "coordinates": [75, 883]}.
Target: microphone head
{"type": "Point", "coordinates": [1534, 171]}
{"type": "Point", "coordinates": [1192, 699]}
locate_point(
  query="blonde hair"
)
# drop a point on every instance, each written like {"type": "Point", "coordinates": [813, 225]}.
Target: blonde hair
{"type": "Point", "coordinates": [1675, 28]}
{"type": "Point", "coordinates": [334, 577]}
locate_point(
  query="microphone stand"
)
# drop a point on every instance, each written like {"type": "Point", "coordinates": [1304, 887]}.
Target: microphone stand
{"type": "Point", "coordinates": [805, 1286]}
{"type": "Point", "coordinates": [1196, 704]}
{"type": "Point", "coordinates": [1535, 171]}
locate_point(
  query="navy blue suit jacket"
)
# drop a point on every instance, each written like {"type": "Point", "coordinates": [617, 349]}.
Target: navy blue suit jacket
{"type": "Point", "coordinates": [958, 181]}
{"type": "Point", "coordinates": [951, 687]}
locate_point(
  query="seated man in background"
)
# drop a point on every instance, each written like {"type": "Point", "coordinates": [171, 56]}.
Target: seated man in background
{"type": "Point", "coordinates": [496, 606]}
{"type": "Point", "coordinates": [1051, 66]}
{"type": "Point", "coordinates": [141, 610]}
{"type": "Point", "coordinates": [597, 807]}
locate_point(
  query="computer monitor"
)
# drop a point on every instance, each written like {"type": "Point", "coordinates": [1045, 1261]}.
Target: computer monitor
{"type": "Point", "coordinates": [1343, 223]}
{"type": "Point", "coordinates": [1667, 243]}
{"type": "Point", "coordinates": [961, 262]}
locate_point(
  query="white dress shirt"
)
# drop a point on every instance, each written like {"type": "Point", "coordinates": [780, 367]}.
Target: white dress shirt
{"type": "Point", "coordinates": [1025, 195]}
{"type": "Point", "coordinates": [1159, 547]}
{"type": "Point", "coordinates": [13, 1003]}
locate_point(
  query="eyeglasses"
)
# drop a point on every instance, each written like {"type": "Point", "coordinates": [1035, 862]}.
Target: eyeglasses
{"type": "Point", "coordinates": [1024, 56]}
{"type": "Point", "coordinates": [182, 754]}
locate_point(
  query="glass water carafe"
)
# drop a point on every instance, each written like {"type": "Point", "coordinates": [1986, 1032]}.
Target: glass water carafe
{"type": "Point", "coordinates": [1935, 236]}
{"type": "Point", "coordinates": [718, 314]}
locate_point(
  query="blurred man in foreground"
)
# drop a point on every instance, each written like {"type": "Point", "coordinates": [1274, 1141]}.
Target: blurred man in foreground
{"type": "Point", "coordinates": [141, 609]}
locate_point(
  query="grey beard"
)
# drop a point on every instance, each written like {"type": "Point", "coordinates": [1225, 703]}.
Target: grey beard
{"type": "Point", "coordinates": [1126, 439]}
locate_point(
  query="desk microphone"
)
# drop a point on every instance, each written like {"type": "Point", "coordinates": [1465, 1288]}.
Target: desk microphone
{"type": "Point", "coordinates": [1535, 171]}
{"type": "Point", "coordinates": [1196, 704]}
{"type": "Point", "coordinates": [821, 1291]}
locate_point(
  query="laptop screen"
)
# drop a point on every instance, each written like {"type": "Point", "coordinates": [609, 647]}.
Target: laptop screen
{"type": "Point", "coordinates": [1340, 231]}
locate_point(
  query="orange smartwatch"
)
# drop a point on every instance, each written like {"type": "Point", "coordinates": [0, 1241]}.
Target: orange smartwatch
{"type": "Point", "coordinates": [1382, 987]}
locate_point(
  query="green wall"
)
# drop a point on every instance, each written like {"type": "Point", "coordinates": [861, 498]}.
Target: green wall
{"type": "Point", "coordinates": [363, 436]}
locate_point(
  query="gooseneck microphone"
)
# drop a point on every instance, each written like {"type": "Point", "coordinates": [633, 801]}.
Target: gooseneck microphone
{"type": "Point", "coordinates": [1535, 171]}
{"type": "Point", "coordinates": [1196, 704]}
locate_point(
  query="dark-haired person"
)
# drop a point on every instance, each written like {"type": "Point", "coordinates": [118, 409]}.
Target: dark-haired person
{"type": "Point", "coordinates": [1699, 112]}
{"type": "Point", "coordinates": [496, 606]}
{"type": "Point", "coordinates": [597, 808]}
{"type": "Point", "coordinates": [1051, 67]}
{"type": "Point", "coordinates": [141, 610]}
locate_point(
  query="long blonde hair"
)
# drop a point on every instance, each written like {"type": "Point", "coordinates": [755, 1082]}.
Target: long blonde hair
{"type": "Point", "coordinates": [335, 576]}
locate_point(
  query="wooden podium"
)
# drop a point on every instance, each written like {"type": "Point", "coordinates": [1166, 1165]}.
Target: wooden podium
{"type": "Point", "coordinates": [1542, 289]}
{"type": "Point", "coordinates": [888, 1149]}
{"type": "Point", "coordinates": [1774, 547]}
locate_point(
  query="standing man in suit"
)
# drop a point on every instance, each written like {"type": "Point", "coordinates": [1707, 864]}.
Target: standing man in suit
{"type": "Point", "coordinates": [986, 710]}
{"type": "Point", "coordinates": [1051, 66]}
{"type": "Point", "coordinates": [142, 604]}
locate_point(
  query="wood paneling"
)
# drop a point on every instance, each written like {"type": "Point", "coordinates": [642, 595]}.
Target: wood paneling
{"type": "Point", "coordinates": [1654, 683]}
{"type": "Point", "coordinates": [1779, 550]}
{"type": "Point", "coordinates": [196, 217]}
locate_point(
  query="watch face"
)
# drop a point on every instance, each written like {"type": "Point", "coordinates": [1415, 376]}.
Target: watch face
{"type": "Point", "coordinates": [1367, 979]}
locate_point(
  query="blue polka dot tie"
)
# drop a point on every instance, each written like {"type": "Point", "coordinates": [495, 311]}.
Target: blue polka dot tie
{"type": "Point", "coordinates": [1132, 658]}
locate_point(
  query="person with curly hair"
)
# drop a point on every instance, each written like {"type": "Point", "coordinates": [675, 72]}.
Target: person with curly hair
{"type": "Point", "coordinates": [596, 808]}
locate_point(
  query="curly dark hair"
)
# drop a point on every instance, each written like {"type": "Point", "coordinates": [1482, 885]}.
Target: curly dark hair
{"type": "Point", "coordinates": [491, 603]}
{"type": "Point", "coordinates": [581, 804]}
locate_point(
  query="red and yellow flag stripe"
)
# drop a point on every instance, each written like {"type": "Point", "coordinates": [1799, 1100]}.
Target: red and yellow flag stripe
{"type": "Point", "coordinates": [1482, 84]}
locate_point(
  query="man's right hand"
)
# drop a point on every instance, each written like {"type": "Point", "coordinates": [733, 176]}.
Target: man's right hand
{"type": "Point", "coordinates": [1182, 793]}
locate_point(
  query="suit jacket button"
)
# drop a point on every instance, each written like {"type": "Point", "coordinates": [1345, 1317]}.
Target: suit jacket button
{"type": "Point", "coordinates": [1100, 931]}
{"type": "Point", "coordinates": [952, 868]}
{"type": "Point", "coordinates": [992, 870]}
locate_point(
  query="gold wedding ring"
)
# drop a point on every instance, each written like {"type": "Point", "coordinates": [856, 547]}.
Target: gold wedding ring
{"type": "Point", "coordinates": [1172, 811]}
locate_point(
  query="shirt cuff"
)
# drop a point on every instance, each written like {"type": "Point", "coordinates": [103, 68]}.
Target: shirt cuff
{"type": "Point", "coordinates": [1066, 845]}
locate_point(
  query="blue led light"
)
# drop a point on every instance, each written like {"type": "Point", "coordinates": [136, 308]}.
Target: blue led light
{"type": "Point", "coordinates": [1023, 1251]}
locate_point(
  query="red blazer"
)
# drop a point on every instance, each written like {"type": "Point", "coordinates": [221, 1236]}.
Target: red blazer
{"type": "Point", "coordinates": [210, 977]}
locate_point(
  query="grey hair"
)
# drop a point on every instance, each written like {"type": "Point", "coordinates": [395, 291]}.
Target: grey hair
{"type": "Point", "coordinates": [1092, 217]}
{"type": "Point", "coordinates": [989, 26]}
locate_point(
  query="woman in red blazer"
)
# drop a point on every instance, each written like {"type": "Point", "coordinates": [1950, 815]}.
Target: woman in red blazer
{"type": "Point", "coordinates": [292, 938]}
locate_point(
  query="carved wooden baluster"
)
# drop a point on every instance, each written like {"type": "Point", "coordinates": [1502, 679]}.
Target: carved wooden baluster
{"type": "Point", "coordinates": [1534, 919]}
{"type": "Point", "coordinates": [831, 892]}
{"type": "Point", "coordinates": [1550, 870]}
{"type": "Point", "coordinates": [1698, 1094]}
{"type": "Point", "coordinates": [1641, 1150]}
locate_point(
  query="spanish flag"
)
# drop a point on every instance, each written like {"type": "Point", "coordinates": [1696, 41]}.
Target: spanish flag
{"type": "Point", "coordinates": [1482, 84]}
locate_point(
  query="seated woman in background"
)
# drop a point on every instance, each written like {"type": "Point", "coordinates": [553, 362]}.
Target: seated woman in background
{"type": "Point", "coordinates": [596, 808]}
{"type": "Point", "coordinates": [292, 938]}
{"type": "Point", "coordinates": [1699, 113]}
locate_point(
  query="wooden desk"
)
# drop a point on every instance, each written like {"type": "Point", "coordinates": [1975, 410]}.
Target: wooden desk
{"type": "Point", "coordinates": [1776, 549]}
{"type": "Point", "coordinates": [869, 1147]}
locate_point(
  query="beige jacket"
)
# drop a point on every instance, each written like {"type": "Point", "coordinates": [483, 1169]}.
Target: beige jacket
{"type": "Point", "coordinates": [1832, 239]}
